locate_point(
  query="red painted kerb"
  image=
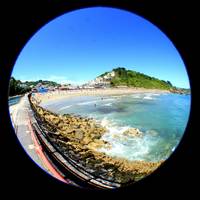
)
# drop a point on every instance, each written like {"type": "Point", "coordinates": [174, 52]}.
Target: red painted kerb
{"type": "Point", "coordinates": [40, 153]}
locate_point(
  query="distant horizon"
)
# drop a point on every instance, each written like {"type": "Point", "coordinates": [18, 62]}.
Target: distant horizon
{"type": "Point", "coordinates": [80, 45]}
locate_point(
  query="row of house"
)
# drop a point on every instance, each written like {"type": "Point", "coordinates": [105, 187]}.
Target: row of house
{"type": "Point", "coordinates": [42, 88]}
{"type": "Point", "coordinates": [99, 82]}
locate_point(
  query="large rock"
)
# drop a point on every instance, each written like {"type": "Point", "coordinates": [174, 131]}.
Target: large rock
{"type": "Point", "coordinates": [79, 135]}
{"type": "Point", "coordinates": [133, 132]}
{"type": "Point", "coordinates": [86, 140]}
{"type": "Point", "coordinates": [96, 144]}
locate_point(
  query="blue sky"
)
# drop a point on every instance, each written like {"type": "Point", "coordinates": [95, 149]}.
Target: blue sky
{"type": "Point", "coordinates": [80, 45]}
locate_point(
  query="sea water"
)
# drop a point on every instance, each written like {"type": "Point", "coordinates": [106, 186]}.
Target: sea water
{"type": "Point", "coordinates": [162, 118]}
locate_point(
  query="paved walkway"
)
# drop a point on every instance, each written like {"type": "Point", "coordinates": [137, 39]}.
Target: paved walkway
{"type": "Point", "coordinates": [19, 116]}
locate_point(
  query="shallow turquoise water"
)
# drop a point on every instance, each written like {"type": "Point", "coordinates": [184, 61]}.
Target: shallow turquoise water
{"type": "Point", "coordinates": [161, 117]}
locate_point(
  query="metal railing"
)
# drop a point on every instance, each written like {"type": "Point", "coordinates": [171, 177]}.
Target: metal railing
{"type": "Point", "coordinates": [88, 179]}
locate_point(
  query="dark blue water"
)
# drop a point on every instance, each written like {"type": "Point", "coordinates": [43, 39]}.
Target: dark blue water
{"type": "Point", "coordinates": [161, 117]}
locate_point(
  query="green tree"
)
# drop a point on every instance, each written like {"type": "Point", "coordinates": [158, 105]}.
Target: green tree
{"type": "Point", "coordinates": [16, 88]}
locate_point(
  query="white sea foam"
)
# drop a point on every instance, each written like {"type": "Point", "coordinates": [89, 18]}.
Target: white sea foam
{"type": "Point", "coordinates": [109, 99]}
{"type": "Point", "coordinates": [136, 96]}
{"type": "Point", "coordinates": [65, 107]}
{"type": "Point", "coordinates": [105, 122]}
{"type": "Point", "coordinates": [148, 97]}
{"type": "Point", "coordinates": [116, 96]}
{"type": "Point", "coordinates": [108, 104]}
{"type": "Point", "coordinates": [156, 94]}
{"type": "Point", "coordinates": [86, 103]}
{"type": "Point", "coordinates": [131, 148]}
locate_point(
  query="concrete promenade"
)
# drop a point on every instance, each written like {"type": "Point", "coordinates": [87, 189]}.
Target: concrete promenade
{"type": "Point", "coordinates": [20, 121]}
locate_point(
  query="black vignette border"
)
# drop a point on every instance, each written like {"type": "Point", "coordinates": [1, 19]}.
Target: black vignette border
{"type": "Point", "coordinates": [20, 20]}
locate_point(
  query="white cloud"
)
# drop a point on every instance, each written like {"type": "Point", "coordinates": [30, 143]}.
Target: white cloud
{"type": "Point", "coordinates": [64, 80]}
{"type": "Point", "coordinates": [55, 78]}
{"type": "Point", "coordinates": [58, 79]}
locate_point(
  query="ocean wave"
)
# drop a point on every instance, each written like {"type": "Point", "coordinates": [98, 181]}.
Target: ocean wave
{"type": "Point", "coordinates": [86, 103]}
{"type": "Point", "coordinates": [105, 122]}
{"type": "Point", "coordinates": [127, 147]}
{"type": "Point", "coordinates": [109, 99]}
{"type": "Point", "coordinates": [148, 97]}
{"type": "Point", "coordinates": [65, 107]}
{"type": "Point", "coordinates": [116, 96]}
{"type": "Point", "coordinates": [108, 104]}
{"type": "Point", "coordinates": [136, 96]}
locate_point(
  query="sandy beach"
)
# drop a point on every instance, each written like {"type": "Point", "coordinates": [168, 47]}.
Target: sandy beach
{"type": "Point", "coordinates": [55, 95]}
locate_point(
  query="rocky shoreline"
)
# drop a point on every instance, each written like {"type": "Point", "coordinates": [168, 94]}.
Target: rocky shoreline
{"type": "Point", "coordinates": [79, 138]}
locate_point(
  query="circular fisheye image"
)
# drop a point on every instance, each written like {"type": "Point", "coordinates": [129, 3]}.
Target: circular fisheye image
{"type": "Point", "coordinates": [99, 98]}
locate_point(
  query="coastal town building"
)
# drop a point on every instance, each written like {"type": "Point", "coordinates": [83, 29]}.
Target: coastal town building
{"type": "Point", "coordinates": [100, 81]}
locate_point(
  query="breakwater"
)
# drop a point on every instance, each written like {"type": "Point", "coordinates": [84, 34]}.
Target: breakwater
{"type": "Point", "coordinates": [80, 137]}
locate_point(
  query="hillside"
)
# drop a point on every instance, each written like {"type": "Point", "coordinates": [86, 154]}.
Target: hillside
{"type": "Point", "coordinates": [123, 77]}
{"type": "Point", "coordinates": [43, 82]}
{"type": "Point", "coordinates": [18, 87]}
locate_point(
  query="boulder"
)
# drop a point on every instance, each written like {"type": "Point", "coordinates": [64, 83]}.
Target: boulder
{"type": "Point", "coordinates": [78, 134]}
{"type": "Point", "coordinates": [61, 125]}
{"type": "Point", "coordinates": [86, 140]}
{"type": "Point", "coordinates": [96, 144]}
{"type": "Point", "coordinates": [133, 132]}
